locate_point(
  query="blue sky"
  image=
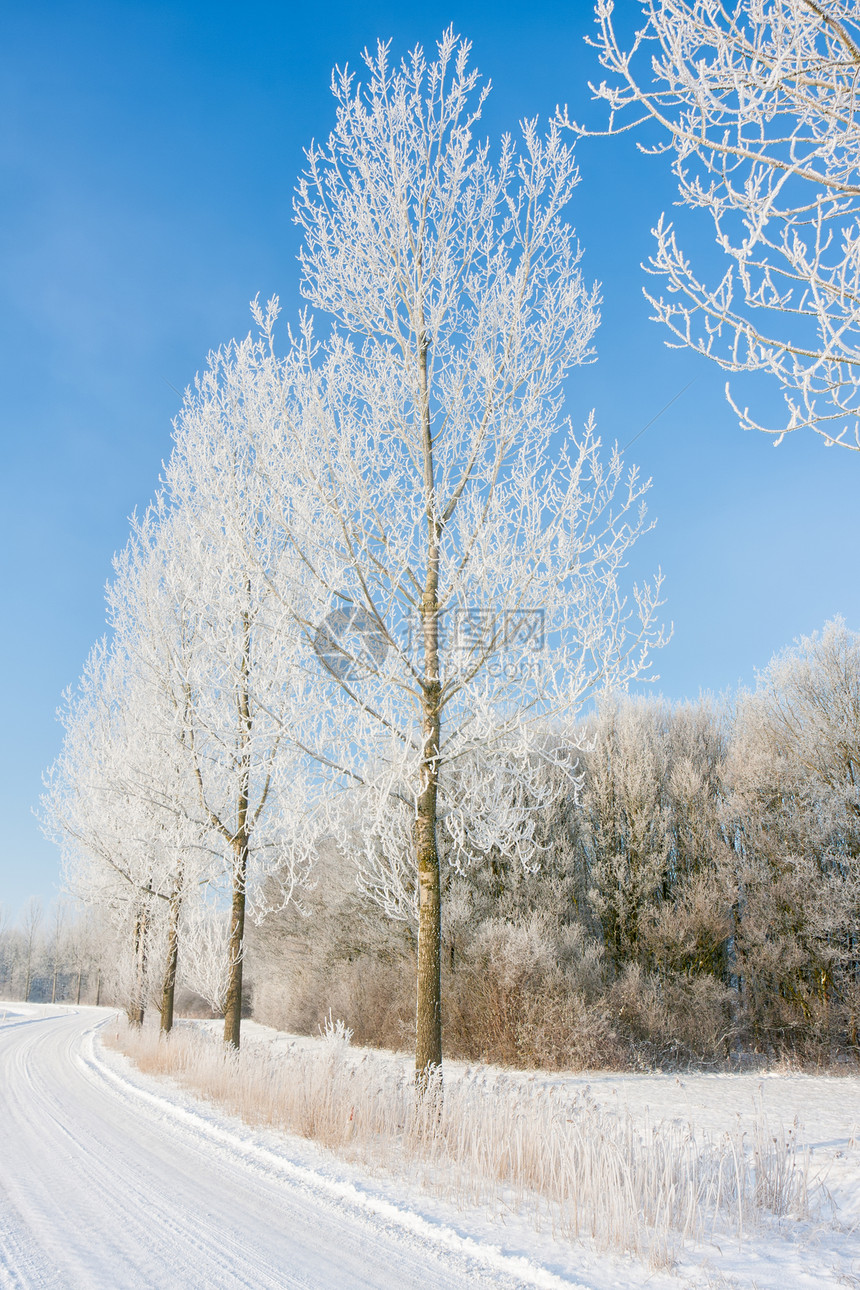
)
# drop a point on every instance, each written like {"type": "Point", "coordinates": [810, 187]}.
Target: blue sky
{"type": "Point", "coordinates": [148, 154]}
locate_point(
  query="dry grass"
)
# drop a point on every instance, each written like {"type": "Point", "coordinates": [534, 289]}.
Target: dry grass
{"type": "Point", "coordinates": [549, 1152]}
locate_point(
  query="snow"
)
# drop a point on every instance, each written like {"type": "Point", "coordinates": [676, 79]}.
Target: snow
{"type": "Point", "coordinates": [111, 1179]}
{"type": "Point", "coordinates": [824, 1111]}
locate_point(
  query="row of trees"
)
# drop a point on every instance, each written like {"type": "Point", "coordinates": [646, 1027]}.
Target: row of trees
{"type": "Point", "coordinates": [697, 900]}
{"type": "Point", "coordinates": [381, 569]}
{"type": "Point", "coordinates": [80, 954]}
{"type": "Point", "coordinates": [59, 955]}
{"type": "Point", "coordinates": [383, 575]}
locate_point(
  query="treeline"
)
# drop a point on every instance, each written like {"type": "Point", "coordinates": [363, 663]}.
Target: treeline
{"type": "Point", "coordinates": [697, 901]}
{"type": "Point", "coordinates": [694, 899]}
{"type": "Point", "coordinates": [70, 954]}
{"type": "Point", "coordinates": [334, 734]}
{"type": "Point", "coordinates": [62, 955]}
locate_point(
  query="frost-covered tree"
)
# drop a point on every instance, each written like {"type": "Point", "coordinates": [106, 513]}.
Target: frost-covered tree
{"type": "Point", "coordinates": [648, 832]}
{"type": "Point", "coordinates": [8, 947]}
{"type": "Point", "coordinates": [57, 947]}
{"type": "Point", "coordinates": [625, 831]}
{"type": "Point", "coordinates": [111, 806]}
{"type": "Point", "coordinates": [460, 550]}
{"type": "Point", "coordinates": [176, 743]}
{"type": "Point", "coordinates": [32, 921]}
{"type": "Point", "coordinates": [235, 689]}
{"type": "Point", "coordinates": [756, 106]}
{"type": "Point", "coordinates": [811, 698]}
{"type": "Point", "coordinates": [84, 946]}
{"type": "Point", "coordinates": [794, 773]}
{"type": "Point", "coordinates": [154, 643]}
{"type": "Point", "coordinates": [67, 965]}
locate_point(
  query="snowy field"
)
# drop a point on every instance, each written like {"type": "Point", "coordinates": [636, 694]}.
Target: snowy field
{"type": "Point", "coordinates": [112, 1178]}
{"type": "Point", "coordinates": [823, 1111]}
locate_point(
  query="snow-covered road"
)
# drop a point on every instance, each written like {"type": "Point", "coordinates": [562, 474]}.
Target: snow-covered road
{"type": "Point", "coordinates": [105, 1186]}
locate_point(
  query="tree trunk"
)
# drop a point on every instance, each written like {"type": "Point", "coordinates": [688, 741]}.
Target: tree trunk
{"type": "Point", "coordinates": [241, 839]}
{"type": "Point", "coordinates": [233, 1001]}
{"type": "Point", "coordinates": [98, 987]}
{"type": "Point", "coordinates": [80, 977]}
{"type": "Point", "coordinates": [137, 1007]}
{"type": "Point", "coordinates": [428, 1011]}
{"type": "Point", "coordinates": [168, 986]}
{"type": "Point", "coordinates": [428, 1027]}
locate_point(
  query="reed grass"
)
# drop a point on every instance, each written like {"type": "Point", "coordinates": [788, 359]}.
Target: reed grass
{"type": "Point", "coordinates": [546, 1151]}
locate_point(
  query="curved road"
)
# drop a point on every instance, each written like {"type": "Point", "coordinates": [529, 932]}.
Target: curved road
{"type": "Point", "coordinates": [105, 1186]}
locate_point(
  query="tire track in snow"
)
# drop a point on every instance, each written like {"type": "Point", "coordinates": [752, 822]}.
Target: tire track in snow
{"type": "Point", "coordinates": [109, 1186]}
{"type": "Point", "coordinates": [81, 1182]}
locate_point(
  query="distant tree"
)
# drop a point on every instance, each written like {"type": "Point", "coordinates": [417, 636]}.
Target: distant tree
{"type": "Point", "coordinates": [626, 824]}
{"type": "Point", "coordinates": [57, 945]}
{"type": "Point", "coordinates": [794, 773]}
{"type": "Point", "coordinates": [756, 105]}
{"type": "Point", "coordinates": [32, 920]}
{"type": "Point", "coordinates": [810, 695]}
{"type": "Point", "coordinates": [153, 606]}
{"type": "Point", "coordinates": [83, 945]}
{"type": "Point", "coordinates": [121, 799]}
{"type": "Point", "coordinates": [101, 807]}
{"type": "Point", "coordinates": [8, 937]}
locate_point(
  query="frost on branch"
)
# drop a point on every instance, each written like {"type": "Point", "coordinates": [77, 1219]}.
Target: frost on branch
{"type": "Point", "coordinates": [756, 106]}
